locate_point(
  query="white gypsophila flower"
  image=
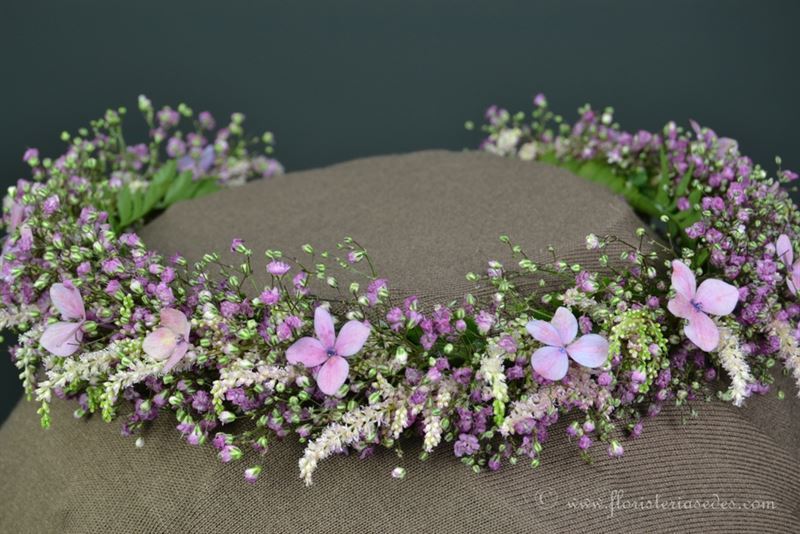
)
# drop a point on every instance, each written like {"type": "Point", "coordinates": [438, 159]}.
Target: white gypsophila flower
{"type": "Point", "coordinates": [535, 406]}
{"type": "Point", "coordinates": [733, 361]}
{"type": "Point", "coordinates": [790, 350]}
{"type": "Point", "coordinates": [138, 185]}
{"type": "Point", "coordinates": [527, 152]}
{"type": "Point", "coordinates": [336, 437]}
{"type": "Point", "coordinates": [507, 141]}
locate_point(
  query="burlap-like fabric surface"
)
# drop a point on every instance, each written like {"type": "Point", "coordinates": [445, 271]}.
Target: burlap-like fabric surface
{"type": "Point", "coordinates": [427, 218]}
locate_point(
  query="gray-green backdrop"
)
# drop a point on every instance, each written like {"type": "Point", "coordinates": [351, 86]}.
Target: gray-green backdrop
{"type": "Point", "coordinates": [339, 80]}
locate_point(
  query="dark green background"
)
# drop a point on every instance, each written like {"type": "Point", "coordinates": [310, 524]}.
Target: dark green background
{"type": "Point", "coordinates": [338, 80]}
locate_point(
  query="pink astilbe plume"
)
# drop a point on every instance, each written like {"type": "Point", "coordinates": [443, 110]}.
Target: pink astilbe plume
{"type": "Point", "coordinates": [694, 303]}
{"type": "Point", "coordinates": [329, 351]}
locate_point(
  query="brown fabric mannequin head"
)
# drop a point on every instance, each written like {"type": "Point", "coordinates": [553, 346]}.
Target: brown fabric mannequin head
{"type": "Point", "coordinates": [460, 203]}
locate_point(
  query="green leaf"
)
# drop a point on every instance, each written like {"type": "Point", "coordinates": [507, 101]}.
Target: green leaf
{"type": "Point", "coordinates": [124, 206]}
{"type": "Point", "coordinates": [664, 181]}
{"type": "Point", "coordinates": [550, 157]}
{"type": "Point", "coordinates": [138, 206]}
{"type": "Point", "coordinates": [639, 180]}
{"type": "Point", "coordinates": [591, 170]}
{"type": "Point", "coordinates": [180, 189]}
{"type": "Point", "coordinates": [205, 187]}
{"type": "Point", "coordinates": [694, 196]}
{"type": "Point", "coordinates": [166, 173]}
{"type": "Point", "coordinates": [701, 257]}
{"type": "Point", "coordinates": [684, 183]}
{"type": "Point", "coordinates": [159, 184]}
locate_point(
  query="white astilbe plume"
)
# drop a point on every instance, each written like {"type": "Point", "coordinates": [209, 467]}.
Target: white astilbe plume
{"type": "Point", "coordinates": [244, 373]}
{"type": "Point", "coordinates": [354, 425]}
{"type": "Point", "coordinates": [492, 371]}
{"type": "Point", "coordinates": [336, 437]}
{"type": "Point", "coordinates": [87, 367]}
{"type": "Point", "coordinates": [12, 316]}
{"type": "Point", "coordinates": [432, 424]}
{"type": "Point", "coordinates": [789, 351]}
{"type": "Point", "coordinates": [399, 417]}
{"type": "Point", "coordinates": [398, 413]}
{"type": "Point", "coordinates": [28, 356]}
{"type": "Point", "coordinates": [137, 372]}
{"type": "Point", "coordinates": [733, 361]}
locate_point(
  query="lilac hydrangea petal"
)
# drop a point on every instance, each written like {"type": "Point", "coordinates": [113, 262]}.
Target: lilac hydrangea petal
{"type": "Point", "coordinates": [177, 355]}
{"type": "Point", "coordinates": [308, 351]}
{"type": "Point", "coordinates": [550, 362]}
{"type": "Point", "coordinates": [175, 321]}
{"type": "Point", "coordinates": [793, 279]}
{"type": "Point", "coordinates": [783, 247]}
{"type": "Point", "coordinates": [185, 163]}
{"type": "Point", "coordinates": [681, 307]}
{"type": "Point", "coordinates": [16, 216]}
{"type": "Point", "coordinates": [323, 326]}
{"type": "Point", "coordinates": [683, 280]}
{"type": "Point", "coordinates": [351, 338]}
{"type": "Point", "coordinates": [160, 343]}
{"type": "Point", "coordinates": [544, 332]}
{"type": "Point", "coordinates": [62, 338]}
{"type": "Point", "coordinates": [566, 324]}
{"type": "Point", "coordinates": [717, 297]}
{"type": "Point", "coordinates": [207, 158]}
{"type": "Point", "coordinates": [590, 350]}
{"type": "Point", "coordinates": [332, 375]}
{"type": "Point", "coordinates": [702, 331]}
{"type": "Point", "coordinates": [68, 302]}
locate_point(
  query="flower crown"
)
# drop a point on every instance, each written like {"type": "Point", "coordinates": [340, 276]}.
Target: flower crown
{"type": "Point", "coordinates": [106, 322]}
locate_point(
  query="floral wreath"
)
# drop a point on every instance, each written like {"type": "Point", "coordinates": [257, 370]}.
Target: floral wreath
{"type": "Point", "coordinates": [104, 321]}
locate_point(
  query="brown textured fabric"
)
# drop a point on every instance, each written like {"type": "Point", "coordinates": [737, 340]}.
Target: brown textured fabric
{"type": "Point", "coordinates": [425, 219]}
{"type": "Point", "coordinates": [82, 476]}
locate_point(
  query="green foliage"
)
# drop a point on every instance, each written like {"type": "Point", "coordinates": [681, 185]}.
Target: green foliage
{"type": "Point", "coordinates": [654, 197]}
{"type": "Point", "coordinates": [166, 188]}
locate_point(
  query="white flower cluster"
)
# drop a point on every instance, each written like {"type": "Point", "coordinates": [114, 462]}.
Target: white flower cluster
{"type": "Point", "coordinates": [432, 423]}
{"type": "Point", "coordinates": [88, 367]}
{"type": "Point", "coordinates": [790, 350]}
{"type": "Point", "coordinates": [27, 358]}
{"type": "Point", "coordinates": [362, 421]}
{"type": "Point", "coordinates": [505, 143]}
{"type": "Point", "coordinates": [535, 406]}
{"type": "Point", "coordinates": [135, 373]}
{"type": "Point", "coordinates": [244, 373]}
{"type": "Point", "coordinates": [735, 364]}
{"type": "Point", "coordinates": [12, 316]}
{"type": "Point", "coordinates": [492, 371]}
